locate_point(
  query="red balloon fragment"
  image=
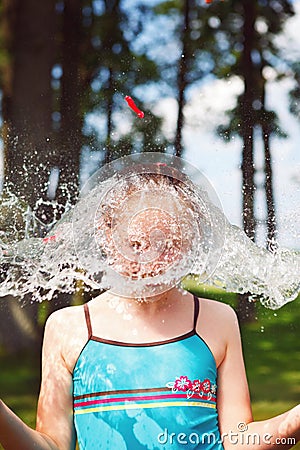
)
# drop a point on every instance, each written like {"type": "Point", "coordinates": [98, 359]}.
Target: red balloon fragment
{"type": "Point", "coordinates": [133, 106]}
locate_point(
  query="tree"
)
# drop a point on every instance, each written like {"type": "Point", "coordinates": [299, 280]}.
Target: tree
{"type": "Point", "coordinates": [28, 42]}
{"type": "Point", "coordinates": [251, 41]}
{"type": "Point", "coordinates": [183, 70]}
{"type": "Point", "coordinates": [246, 115]}
{"type": "Point", "coordinates": [69, 140]}
{"type": "Point", "coordinates": [123, 69]}
{"type": "Point", "coordinates": [194, 60]}
{"type": "Point", "coordinates": [252, 51]}
{"type": "Point", "coordinates": [294, 94]}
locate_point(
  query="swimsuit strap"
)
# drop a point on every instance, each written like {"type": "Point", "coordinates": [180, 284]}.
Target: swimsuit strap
{"type": "Point", "coordinates": [89, 325]}
{"type": "Point", "coordinates": [196, 311]}
{"type": "Point", "coordinates": [88, 319]}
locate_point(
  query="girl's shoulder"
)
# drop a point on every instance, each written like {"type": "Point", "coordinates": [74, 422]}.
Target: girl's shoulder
{"type": "Point", "coordinates": [66, 317]}
{"type": "Point", "coordinates": [219, 316]}
{"type": "Point", "coordinates": [216, 325]}
{"type": "Point", "coordinates": [66, 329]}
{"type": "Point", "coordinates": [217, 310]}
{"type": "Point", "coordinates": [72, 316]}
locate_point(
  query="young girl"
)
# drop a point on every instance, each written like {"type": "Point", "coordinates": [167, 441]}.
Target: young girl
{"type": "Point", "coordinates": [164, 371]}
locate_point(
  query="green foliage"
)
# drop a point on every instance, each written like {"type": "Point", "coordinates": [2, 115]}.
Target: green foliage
{"type": "Point", "coordinates": [231, 34]}
{"type": "Point", "coordinates": [19, 384]}
{"type": "Point", "coordinates": [114, 69]}
{"type": "Point", "coordinates": [272, 359]}
{"type": "Point", "coordinates": [259, 117]}
{"type": "Point", "coordinates": [194, 34]}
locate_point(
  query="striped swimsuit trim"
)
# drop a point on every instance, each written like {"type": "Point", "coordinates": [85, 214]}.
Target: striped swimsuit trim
{"type": "Point", "coordinates": [139, 399]}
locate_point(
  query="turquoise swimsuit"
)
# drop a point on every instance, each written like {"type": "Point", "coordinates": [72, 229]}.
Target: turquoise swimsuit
{"type": "Point", "coordinates": [154, 396]}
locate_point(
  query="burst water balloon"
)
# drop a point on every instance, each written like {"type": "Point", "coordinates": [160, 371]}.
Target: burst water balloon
{"type": "Point", "coordinates": [142, 224]}
{"type": "Point", "coordinates": [147, 225]}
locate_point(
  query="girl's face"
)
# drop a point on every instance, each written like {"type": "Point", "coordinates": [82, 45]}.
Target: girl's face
{"type": "Point", "coordinates": [154, 238]}
{"type": "Point", "coordinates": [141, 230]}
{"type": "Point", "coordinates": [149, 245]}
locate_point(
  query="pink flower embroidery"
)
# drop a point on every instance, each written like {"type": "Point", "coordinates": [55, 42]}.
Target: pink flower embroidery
{"type": "Point", "coordinates": [196, 385]}
{"type": "Point", "coordinates": [213, 389]}
{"type": "Point", "coordinates": [182, 383]}
{"type": "Point", "coordinates": [205, 386]}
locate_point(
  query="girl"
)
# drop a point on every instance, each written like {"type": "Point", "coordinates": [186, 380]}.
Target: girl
{"type": "Point", "coordinates": [164, 371]}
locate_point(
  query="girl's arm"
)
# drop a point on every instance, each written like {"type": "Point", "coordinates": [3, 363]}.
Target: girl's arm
{"type": "Point", "coordinates": [54, 429]}
{"type": "Point", "coordinates": [15, 434]}
{"type": "Point", "coordinates": [237, 427]}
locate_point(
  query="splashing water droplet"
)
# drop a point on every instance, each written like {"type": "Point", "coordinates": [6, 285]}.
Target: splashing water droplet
{"type": "Point", "coordinates": [273, 278]}
{"type": "Point", "coordinates": [143, 223]}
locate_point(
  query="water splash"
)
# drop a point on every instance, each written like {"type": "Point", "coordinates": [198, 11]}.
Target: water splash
{"type": "Point", "coordinates": [76, 248]}
{"type": "Point", "coordinates": [271, 277]}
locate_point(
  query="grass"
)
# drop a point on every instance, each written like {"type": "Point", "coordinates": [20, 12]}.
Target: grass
{"type": "Point", "coordinates": [272, 357]}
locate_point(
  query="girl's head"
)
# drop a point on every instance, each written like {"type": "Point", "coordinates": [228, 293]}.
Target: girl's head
{"type": "Point", "coordinates": [146, 225]}
{"type": "Point", "coordinates": [144, 222]}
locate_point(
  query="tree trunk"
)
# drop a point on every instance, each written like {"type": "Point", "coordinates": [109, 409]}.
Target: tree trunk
{"type": "Point", "coordinates": [245, 309]}
{"type": "Point", "coordinates": [271, 215]}
{"type": "Point", "coordinates": [68, 153]}
{"type": "Point", "coordinates": [29, 43]}
{"type": "Point", "coordinates": [269, 191]}
{"type": "Point", "coordinates": [182, 75]}
{"type": "Point", "coordinates": [109, 124]}
{"type": "Point", "coordinates": [29, 29]}
{"type": "Point", "coordinates": [247, 117]}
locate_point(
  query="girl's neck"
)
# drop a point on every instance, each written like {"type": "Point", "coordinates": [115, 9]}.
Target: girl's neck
{"type": "Point", "coordinates": [149, 305]}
